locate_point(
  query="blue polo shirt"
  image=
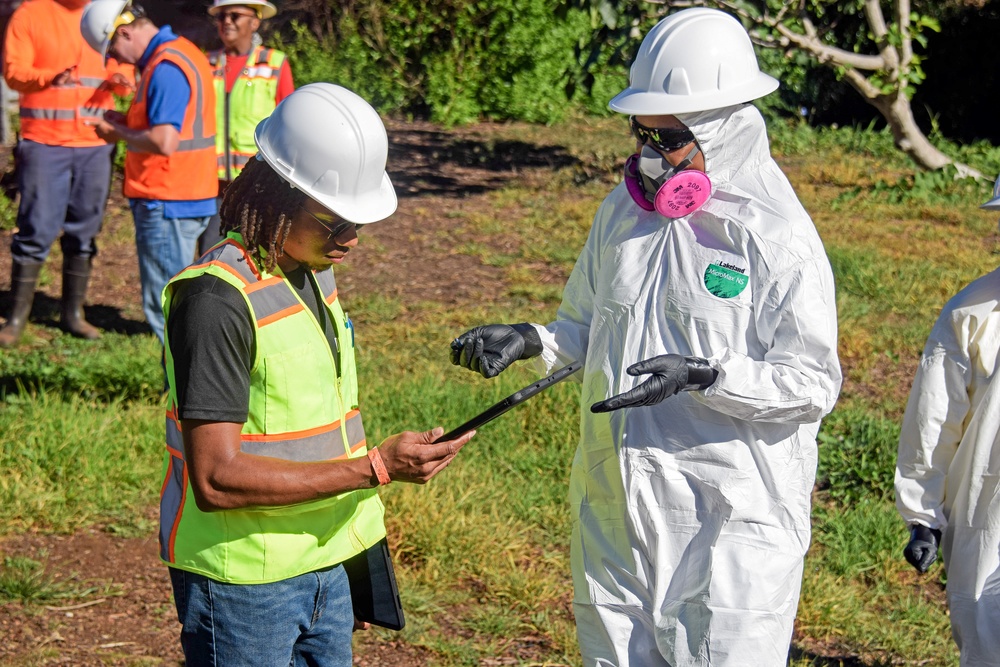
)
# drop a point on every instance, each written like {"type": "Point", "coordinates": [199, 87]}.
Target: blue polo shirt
{"type": "Point", "coordinates": [167, 97]}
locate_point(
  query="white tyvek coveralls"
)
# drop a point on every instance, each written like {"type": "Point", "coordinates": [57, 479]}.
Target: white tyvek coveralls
{"type": "Point", "coordinates": [692, 516]}
{"type": "Point", "coordinates": [948, 470]}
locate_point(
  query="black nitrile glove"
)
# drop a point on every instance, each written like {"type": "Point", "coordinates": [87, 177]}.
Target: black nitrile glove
{"type": "Point", "coordinates": [491, 348]}
{"type": "Point", "coordinates": [671, 373]}
{"type": "Point", "coordinates": [922, 550]}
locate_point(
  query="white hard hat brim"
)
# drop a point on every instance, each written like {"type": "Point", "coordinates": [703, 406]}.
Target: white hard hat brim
{"type": "Point", "coordinates": [267, 10]}
{"type": "Point", "coordinates": [639, 102]}
{"type": "Point", "coordinates": [362, 210]}
{"type": "Point", "coordinates": [366, 209]}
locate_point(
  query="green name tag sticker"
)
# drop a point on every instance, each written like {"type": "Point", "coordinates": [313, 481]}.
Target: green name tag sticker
{"type": "Point", "coordinates": [723, 282]}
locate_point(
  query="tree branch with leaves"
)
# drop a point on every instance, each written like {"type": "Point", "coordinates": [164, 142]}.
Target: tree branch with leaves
{"type": "Point", "coordinates": [878, 61]}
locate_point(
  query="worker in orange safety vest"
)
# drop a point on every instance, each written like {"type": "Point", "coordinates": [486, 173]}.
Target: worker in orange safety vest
{"type": "Point", "coordinates": [63, 167]}
{"type": "Point", "coordinates": [169, 133]}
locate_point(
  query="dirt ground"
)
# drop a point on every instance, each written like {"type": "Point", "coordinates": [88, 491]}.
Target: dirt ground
{"type": "Point", "coordinates": [130, 620]}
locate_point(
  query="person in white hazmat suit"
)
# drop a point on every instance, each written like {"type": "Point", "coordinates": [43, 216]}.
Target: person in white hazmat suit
{"type": "Point", "coordinates": [703, 277]}
{"type": "Point", "coordinates": [948, 464]}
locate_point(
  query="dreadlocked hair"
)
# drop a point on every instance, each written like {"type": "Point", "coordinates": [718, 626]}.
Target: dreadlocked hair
{"type": "Point", "coordinates": [260, 205]}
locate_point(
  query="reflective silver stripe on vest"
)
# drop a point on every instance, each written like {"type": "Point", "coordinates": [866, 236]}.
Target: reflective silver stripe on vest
{"type": "Point", "coordinates": [173, 491]}
{"type": "Point", "coordinates": [195, 144]}
{"type": "Point", "coordinates": [320, 447]}
{"type": "Point", "coordinates": [239, 160]}
{"type": "Point", "coordinates": [270, 300]}
{"type": "Point", "coordinates": [355, 430]}
{"type": "Point", "coordinates": [174, 438]}
{"type": "Point", "coordinates": [62, 114]}
{"type": "Point", "coordinates": [48, 114]}
{"type": "Point", "coordinates": [327, 284]}
{"type": "Point", "coordinates": [261, 72]}
{"type": "Point", "coordinates": [234, 258]}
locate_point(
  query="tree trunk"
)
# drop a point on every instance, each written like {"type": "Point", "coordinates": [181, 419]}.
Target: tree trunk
{"type": "Point", "coordinates": [909, 138]}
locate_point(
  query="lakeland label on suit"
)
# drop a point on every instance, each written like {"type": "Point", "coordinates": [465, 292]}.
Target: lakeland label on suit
{"type": "Point", "coordinates": [725, 280]}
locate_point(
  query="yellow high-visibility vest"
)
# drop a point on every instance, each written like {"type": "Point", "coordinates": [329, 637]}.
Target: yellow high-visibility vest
{"type": "Point", "coordinates": [300, 410]}
{"type": "Point", "coordinates": [237, 112]}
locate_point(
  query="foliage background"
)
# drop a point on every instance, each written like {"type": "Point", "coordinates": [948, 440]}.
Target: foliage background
{"type": "Point", "coordinates": [461, 60]}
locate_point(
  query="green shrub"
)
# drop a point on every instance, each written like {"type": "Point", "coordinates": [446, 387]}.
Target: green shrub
{"type": "Point", "coordinates": [451, 61]}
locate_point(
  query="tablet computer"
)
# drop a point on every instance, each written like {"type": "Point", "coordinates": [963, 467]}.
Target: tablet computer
{"type": "Point", "coordinates": [514, 399]}
{"type": "Point", "coordinates": [373, 587]}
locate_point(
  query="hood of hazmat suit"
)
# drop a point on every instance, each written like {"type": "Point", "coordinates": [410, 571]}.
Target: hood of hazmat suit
{"type": "Point", "coordinates": [692, 516]}
{"type": "Point", "coordinates": [948, 468]}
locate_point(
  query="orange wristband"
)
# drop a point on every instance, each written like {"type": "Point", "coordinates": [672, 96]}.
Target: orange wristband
{"type": "Point", "coordinates": [379, 466]}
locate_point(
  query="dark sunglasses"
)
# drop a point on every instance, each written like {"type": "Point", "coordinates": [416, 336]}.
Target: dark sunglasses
{"type": "Point", "coordinates": [232, 16]}
{"type": "Point", "coordinates": [335, 231]}
{"type": "Point", "coordinates": [667, 139]}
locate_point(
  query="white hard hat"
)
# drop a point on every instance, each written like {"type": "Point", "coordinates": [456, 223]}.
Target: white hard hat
{"type": "Point", "coordinates": [328, 142]}
{"type": "Point", "coordinates": [265, 10]}
{"type": "Point", "coordinates": [994, 203]}
{"type": "Point", "coordinates": [101, 18]}
{"type": "Point", "coordinates": [694, 60]}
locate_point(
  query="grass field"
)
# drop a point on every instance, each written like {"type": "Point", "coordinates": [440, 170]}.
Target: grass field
{"type": "Point", "coordinates": [482, 551]}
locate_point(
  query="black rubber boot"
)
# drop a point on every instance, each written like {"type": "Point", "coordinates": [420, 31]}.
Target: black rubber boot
{"type": "Point", "coordinates": [23, 278]}
{"type": "Point", "coordinates": [76, 273]}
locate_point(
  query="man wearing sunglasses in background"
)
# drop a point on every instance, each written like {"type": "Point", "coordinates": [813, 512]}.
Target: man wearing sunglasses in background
{"type": "Point", "coordinates": [703, 307]}
{"type": "Point", "coordinates": [249, 80]}
{"type": "Point", "coordinates": [269, 482]}
{"type": "Point", "coordinates": [169, 133]}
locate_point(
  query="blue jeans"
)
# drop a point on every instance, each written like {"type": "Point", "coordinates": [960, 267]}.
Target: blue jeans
{"type": "Point", "coordinates": [304, 621]}
{"type": "Point", "coordinates": [165, 247]}
{"type": "Point", "coordinates": [63, 191]}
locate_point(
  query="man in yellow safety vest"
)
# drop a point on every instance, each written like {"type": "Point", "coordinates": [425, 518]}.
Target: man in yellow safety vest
{"type": "Point", "coordinates": [264, 430]}
{"type": "Point", "coordinates": [250, 80]}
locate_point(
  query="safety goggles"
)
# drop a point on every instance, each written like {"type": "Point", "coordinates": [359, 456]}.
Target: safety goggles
{"type": "Point", "coordinates": [667, 139]}
{"type": "Point", "coordinates": [335, 231]}
{"type": "Point", "coordinates": [232, 16]}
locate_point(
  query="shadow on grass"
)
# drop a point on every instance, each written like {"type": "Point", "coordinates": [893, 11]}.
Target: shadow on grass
{"type": "Point", "coordinates": [433, 162]}
{"type": "Point", "coordinates": [45, 312]}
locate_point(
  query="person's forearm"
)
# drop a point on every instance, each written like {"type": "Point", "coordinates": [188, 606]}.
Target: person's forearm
{"type": "Point", "coordinates": [28, 79]}
{"type": "Point", "coordinates": [250, 481]}
{"type": "Point", "coordinates": [223, 477]}
{"type": "Point", "coordinates": [156, 140]}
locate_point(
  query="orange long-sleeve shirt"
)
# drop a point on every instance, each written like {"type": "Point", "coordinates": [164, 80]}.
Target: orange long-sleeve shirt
{"type": "Point", "coordinates": [43, 39]}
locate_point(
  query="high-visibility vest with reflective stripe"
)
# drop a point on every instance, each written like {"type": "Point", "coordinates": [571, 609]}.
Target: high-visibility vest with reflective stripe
{"type": "Point", "coordinates": [189, 173]}
{"type": "Point", "coordinates": [58, 115]}
{"type": "Point", "coordinates": [300, 410]}
{"type": "Point", "coordinates": [237, 112]}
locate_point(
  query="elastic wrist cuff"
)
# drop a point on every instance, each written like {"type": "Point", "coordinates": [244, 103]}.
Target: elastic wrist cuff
{"type": "Point", "coordinates": [701, 375]}
{"type": "Point", "coordinates": [378, 465]}
{"type": "Point", "coordinates": [532, 342]}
